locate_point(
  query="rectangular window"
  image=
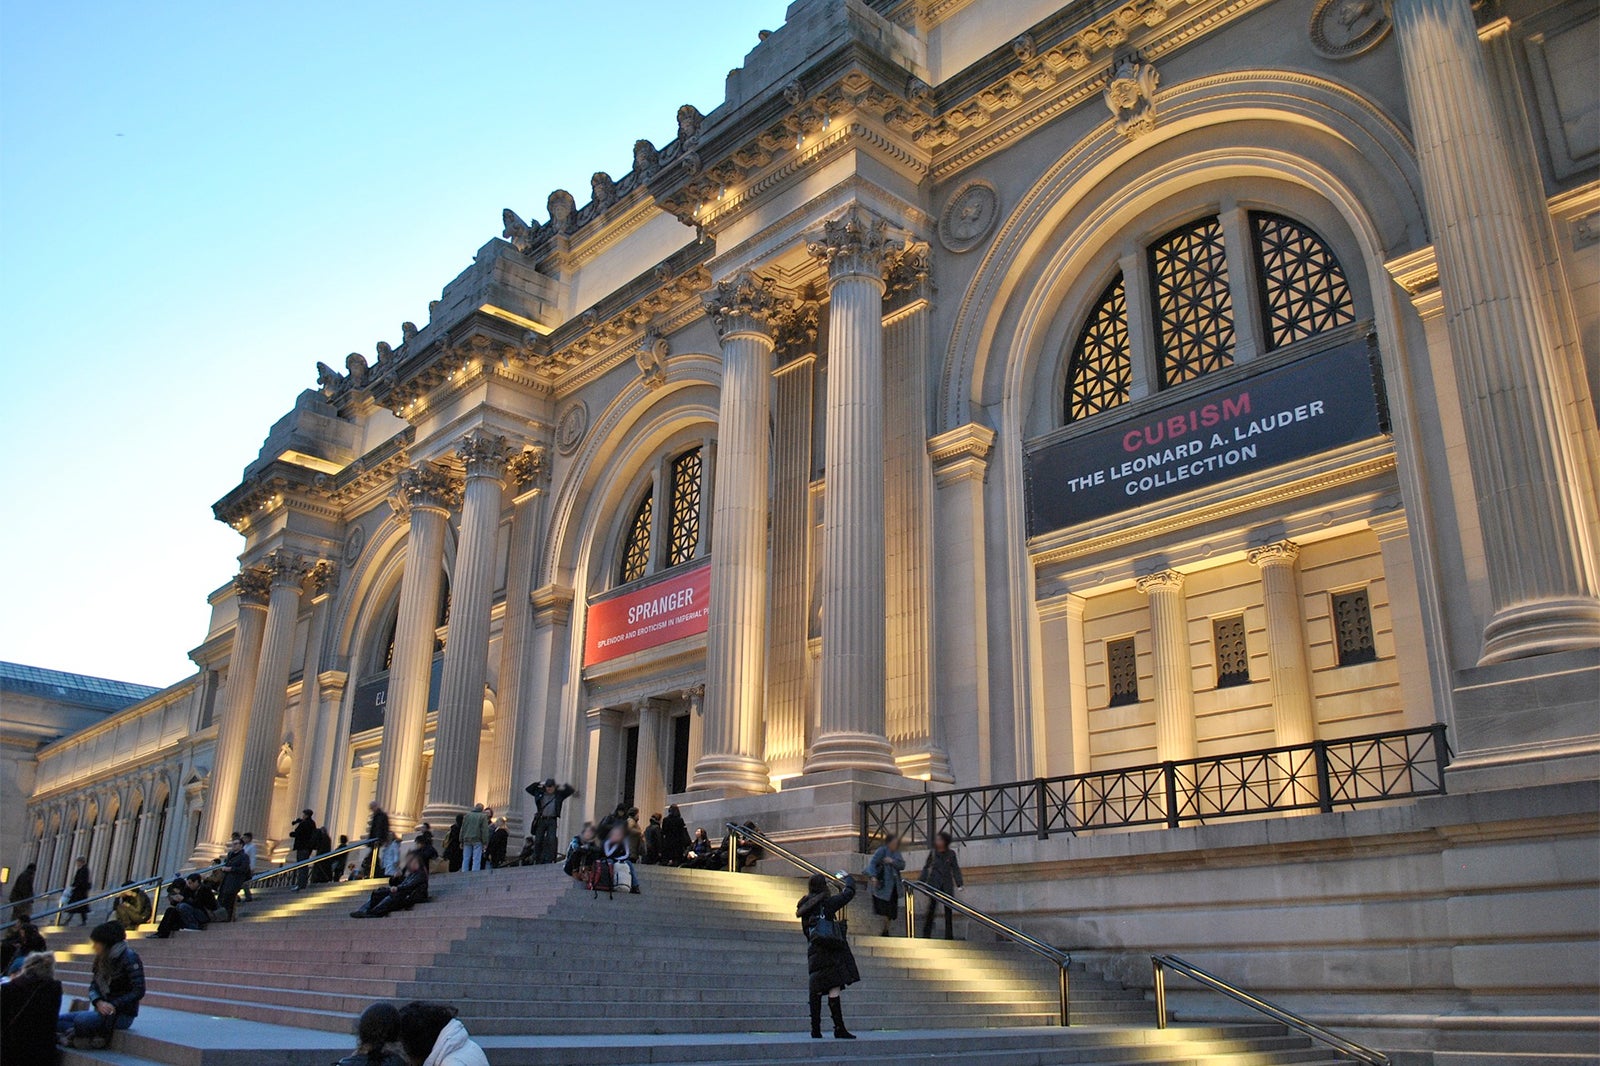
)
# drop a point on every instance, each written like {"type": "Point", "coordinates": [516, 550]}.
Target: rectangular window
{"type": "Point", "coordinates": [680, 754]}
{"type": "Point", "coordinates": [1352, 627]}
{"type": "Point", "coordinates": [630, 768]}
{"type": "Point", "coordinates": [1233, 655]}
{"type": "Point", "coordinates": [1123, 665]}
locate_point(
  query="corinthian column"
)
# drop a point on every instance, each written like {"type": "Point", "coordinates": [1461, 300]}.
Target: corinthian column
{"type": "Point", "coordinates": [1174, 676]}
{"type": "Point", "coordinates": [736, 641]}
{"type": "Point", "coordinates": [466, 652]}
{"type": "Point", "coordinates": [1516, 400]}
{"type": "Point", "coordinates": [250, 590]}
{"type": "Point", "coordinates": [1293, 720]}
{"type": "Point", "coordinates": [853, 673]}
{"type": "Point", "coordinates": [527, 475]}
{"type": "Point", "coordinates": [259, 767]}
{"type": "Point", "coordinates": [427, 493]}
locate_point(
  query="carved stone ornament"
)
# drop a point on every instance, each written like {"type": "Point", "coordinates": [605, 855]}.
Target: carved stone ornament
{"type": "Point", "coordinates": [519, 233]}
{"type": "Point", "coordinates": [854, 243]}
{"type": "Point", "coordinates": [969, 216]}
{"type": "Point", "coordinates": [645, 158]}
{"type": "Point", "coordinates": [483, 453]}
{"type": "Point", "coordinates": [1343, 29]}
{"type": "Point", "coordinates": [287, 567]}
{"type": "Point", "coordinates": [744, 302]}
{"type": "Point", "coordinates": [428, 485]}
{"type": "Point", "coordinates": [689, 121]}
{"type": "Point", "coordinates": [354, 542]}
{"type": "Point", "coordinates": [529, 467]}
{"type": "Point", "coordinates": [562, 207]}
{"type": "Point", "coordinates": [571, 425]}
{"type": "Point", "coordinates": [905, 272]}
{"type": "Point", "coordinates": [602, 190]}
{"type": "Point", "coordinates": [329, 380]}
{"type": "Point", "coordinates": [355, 366]}
{"type": "Point", "coordinates": [1131, 95]}
{"type": "Point", "coordinates": [408, 332]}
{"type": "Point", "coordinates": [324, 576]}
{"type": "Point", "coordinates": [795, 325]}
{"type": "Point", "coordinates": [651, 357]}
{"type": "Point", "coordinates": [252, 585]}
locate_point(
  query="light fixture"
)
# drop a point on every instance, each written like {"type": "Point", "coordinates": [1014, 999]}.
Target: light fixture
{"type": "Point", "coordinates": [827, 120]}
{"type": "Point", "coordinates": [800, 139]}
{"type": "Point", "coordinates": [697, 210]}
{"type": "Point", "coordinates": [722, 192]}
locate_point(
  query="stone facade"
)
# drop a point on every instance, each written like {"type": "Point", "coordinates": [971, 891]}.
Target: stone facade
{"type": "Point", "coordinates": [828, 343]}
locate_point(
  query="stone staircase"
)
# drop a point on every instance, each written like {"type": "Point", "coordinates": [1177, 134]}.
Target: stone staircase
{"type": "Point", "coordinates": [536, 964]}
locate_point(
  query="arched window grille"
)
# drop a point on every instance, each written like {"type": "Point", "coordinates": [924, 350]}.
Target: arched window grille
{"type": "Point", "coordinates": [1100, 373]}
{"type": "Point", "coordinates": [1193, 307]}
{"type": "Point", "coordinates": [683, 531]}
{"type": "Point", "coordinates": [1303, 288]}
{"type": "Point", "coordinates": [636, 549]}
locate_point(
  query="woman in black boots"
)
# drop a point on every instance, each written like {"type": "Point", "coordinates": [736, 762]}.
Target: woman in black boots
{"type": "Point", "coordinates": [828, 958]}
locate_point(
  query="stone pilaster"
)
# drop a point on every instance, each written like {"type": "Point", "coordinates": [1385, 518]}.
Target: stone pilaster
{"type": "Point", "coordinates": [853, 628]}
{"type": "Point", "coordinates": [540, 736]}
{"type": "Point", "coordinates": [1174, 675]}
{"type": "Point", "coordinates": [458, 735]}
{"type": "Point", "coordinates": [1294, 719]}
{"type": "Point", "coordinates": [649, 783]}
{"type": "Point", "coordinates": [312, 752]}
{"type": "Point", "coordinates": [1517, 403]}
{"type": "Point", "coordinates": [426, 494]}
{"type": "Point", "coordinates": [602, 791]}
{"type": "Point", "coordinates": [259, 768]}
{"type": "Point", "coordinates": [322, 739]}
{"type": "Point", "coordinates": [251, 588]}
{"type": "Point", "coordinates": [120, 855]}
{"type": "Point", "coordinates": [736, 642]}
{"type": "Point", "coordinates": [908, 521]}
{"type": "Point", "coordinates": [527, 478]}
{"type": "Point", "coordinates": [105, 835]}
{"type": "Point", "coordinates": [144, 839]}
{"type": "Point", "coordinates": [696, 698]}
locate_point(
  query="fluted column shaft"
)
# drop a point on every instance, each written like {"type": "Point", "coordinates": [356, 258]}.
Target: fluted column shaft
{"type": "Point", "coordinates": [527, 475]}
{"type": "Point", "coordinates": [787, 705]}
{"type": "Point", "coordinates": [736, 639]}
{"type": "Point", "coordinates": [259, 768]}
{"type": "Point", "coordinates": [144, 839]}
{"type": "Point", "coordinates": [120, 854]}
{"type": "Point", "coordinates": [426, 495]}
{"type": "Point", "coordinates": [100, 852]}
{"type": "Point", "coordinates": [250, 590]}
{"type": "Point", "coordinates": [1516, 400]}
{"type": "Point", "coordinates": [459, 732]}
{"type": "Point", "coordinates": [649, 785]}
{"type": "Point", "coordinates": [1293, 716]}
{"type": "Point", "coordinates": [853, 628]}
{"type": "Point", "coordinates": [310, 756]}
{"type": "Point", "coordinates": [1174, 675]}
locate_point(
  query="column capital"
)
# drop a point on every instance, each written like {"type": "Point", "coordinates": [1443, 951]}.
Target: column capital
{"type": "Point", "coordinates": [529, 469]}
{"type": "Point", "coordinates": [743, 303]}
{"type": "Point", "coordinates": [252, 585]}
{"type": "Point", "coordinates": [332, 682]}
{"type": "Point", "coordinates": [1160, 581]}
{"type": "Point", "coordinates": [324, 577]}
{"type": "Point", "coordinates": [794, 325]}
{"type": "Point", "coordinates": [288, 568]}
{"type": "Point", "coordinates": [484, 454]}
{"type": "Point", "coordinates": [961, 454]}
{"type": "Point", "coordinates": [426, 486]}
{"type": "Point", "coordinates": [1283, 552]}
{"type": "Point", "coordinates": [552, 605]}
{"type": "Point", "coordinates": [906, 274]}
{"type": "Point", "coordinates": [853, 245]}
{"type": "Point", "coordinates": [696, 695]}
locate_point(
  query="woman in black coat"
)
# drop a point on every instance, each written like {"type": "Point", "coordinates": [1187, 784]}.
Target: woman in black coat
{"type": "Point", "coordinates": [81, 883]}
{"type": "Point", "coordinates": [30, 1003]}
{"type": "Point", "coordinates": [829, 961]}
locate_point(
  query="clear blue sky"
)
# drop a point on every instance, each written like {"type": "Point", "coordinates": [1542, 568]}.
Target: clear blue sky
{"type": "Point", "coordinates": [199, 201]}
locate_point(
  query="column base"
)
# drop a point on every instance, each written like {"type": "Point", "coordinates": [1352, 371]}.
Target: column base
{"type": "Point", "coordinates": [206, 854]}
{"type": "Point", "coordinates": [731, 773]}
{"type": "Point", "coordinates": [851, 751]}
{"type": "Point", "coordinates": [925, 762]}
{"type": "Point", "coordinates": [437, 815]}
{"type": "Point", "coordinates": [1541, 628]}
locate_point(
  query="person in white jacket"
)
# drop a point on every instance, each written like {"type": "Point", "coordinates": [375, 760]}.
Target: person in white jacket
{"type": "Point", "coordinates": [431, 1036]}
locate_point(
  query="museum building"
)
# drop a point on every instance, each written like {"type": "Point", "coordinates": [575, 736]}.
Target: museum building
{"type": "Point", "coordinates": [985, 395]}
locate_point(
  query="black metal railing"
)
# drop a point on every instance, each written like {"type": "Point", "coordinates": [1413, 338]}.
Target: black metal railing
{"type": "Point", "coordinates": [1322, 776]}
{"type": "Point", "coordinates": [287, 875]}
{"type": "Point", "coordinates": [156, 883]}
{"type": "Point", "coordinates": [1344, 1046]}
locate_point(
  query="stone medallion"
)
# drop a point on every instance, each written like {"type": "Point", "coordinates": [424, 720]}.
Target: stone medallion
{"type": "Point", "coordinates": [571, 426]}
{"type": "Point", "coordinates": [353, 545]}
{"type": "Point", "coordinates": [969, 216]}
{"type": "Point", "coordinates": [1342, 29]}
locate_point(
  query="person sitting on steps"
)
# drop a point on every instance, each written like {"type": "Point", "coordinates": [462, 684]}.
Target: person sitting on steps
{"type": "Point", "coordinates": [618, 853]}
{"type": "Point", "coordinates": [115, 989]}
{"type": "Point", "coordinates": [830, 964]}
{"type": "Point", "coordinates": [405, 891]}
{"type": "Point", "coordinates": [376, 1029]}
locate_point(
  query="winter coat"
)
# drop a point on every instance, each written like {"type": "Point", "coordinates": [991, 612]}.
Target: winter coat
{"type": "Point", "coordinates": [548, 804]}
{"type": "Point", "coordinates": [23, 887]}
{"type": "Point", "coordinates": [885, 868]}
{"type": "Point", "coordinates": [378, 826]}
{"type": "Point", "coordinates": [675, 839]}
{"type": "Point", "coordinates": [475, 828]}
{"type": "Point", "coordinates": [411, 888]}
{"type": "Point", "coordinates": [455, 1048]}
{"type": "Point", "coordinates": [617, 851]}
{"type": "Point", "coordinates": [119, 980]}
{"type": "Point", "coordinates": [80, 884]}
{"type": "Point", "coordinates": [829, 965]}
{"type": "Point", "coordinates": [29, 1006]}
{"type": "Point", "coordinates": [942, 870]}
{"type": "Point", "coordinates": [497, 846]}
{"type": "Point", "coordinates": [305, 834]}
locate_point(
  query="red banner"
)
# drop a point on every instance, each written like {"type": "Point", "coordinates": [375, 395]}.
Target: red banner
{"type": "Point", "coordinates": [667, 610]}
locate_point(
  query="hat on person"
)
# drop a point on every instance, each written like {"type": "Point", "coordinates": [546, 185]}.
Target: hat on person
{"type": "Point", "coordinates": [549, 782]}
{"type": "Point", "coordinates": [108, 933]}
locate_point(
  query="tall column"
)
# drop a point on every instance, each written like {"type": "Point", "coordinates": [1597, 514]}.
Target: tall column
{"type": "Point", "coordinates": [426, 494]}
{"type": "Point", "coordinates": [251, 588]}
{"type": "Point", "coordinates": [736, 642]}
{"type": "Point", "coordinates": [309, 754]}
{"type": "Point", "coordinates": [649, 783]}
{"type": "Point", "coordinates": [908, 518]}
{"type": "Point", "coordinates": [144, 838]}
{"type": "Point", "coordinates": [316, 789]}
{"type": "Point", "coordinates": [853, 627]}
{"type": "Point", "coordinates": [527, 475]}
{"type": "Point", "coordinates": [120, 857]}
{"type": "Point", "coordinates": [100, 851]}
{"type": "Point", "coordinates": [458, 735]}
{"type": "Point", "coordinates": [1517, 401]}
{"type": "Point", "coordinates": [1294, 720]}
{"type": "Point", "coordinates": [696, 698]}
{"type": "Point", "coordinates": [1174, 675]}
{"type": "Point", "coordinates": [601, 789]}
{"type": "Point", "coordinates": [539, 737]}
{"type": "Point", "coordinates": [259, 768]}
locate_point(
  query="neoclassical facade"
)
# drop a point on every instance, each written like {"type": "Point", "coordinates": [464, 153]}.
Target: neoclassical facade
{"type": "Point", "coordinates": [984, 390]}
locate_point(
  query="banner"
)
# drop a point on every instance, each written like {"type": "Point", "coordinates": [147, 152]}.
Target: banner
{"type": "Point", "coordinates": [371, 700]}
{"type": "Point", "coordinates": [674, 607]}
{"type": "Point", "coordinates": [1308, 406]}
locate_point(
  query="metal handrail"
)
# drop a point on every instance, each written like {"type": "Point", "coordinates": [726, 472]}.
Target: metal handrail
{"type": "Point", "coordinates": [1061, 958]}
{"type": "Point", "coordinates": [1346, 1047]}
{"type": "Point", "coordinates": [88, 901]}
{"type": "Point", "coordinates": [303, 863]}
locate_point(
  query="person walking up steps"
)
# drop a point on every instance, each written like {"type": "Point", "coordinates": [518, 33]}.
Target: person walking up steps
{"type": "Point", "coordinates": [78, 893]}
{"type": "Point", "coordinates": [830, 964]}
{"type": "Point", "coordinates": [884, 870]}
{"type": "Point", "coordinates": [474, 835]}
{"type": "Point", "coordinates": [304, 835]}
{"type": "Point", "coordinates": [942, 870]}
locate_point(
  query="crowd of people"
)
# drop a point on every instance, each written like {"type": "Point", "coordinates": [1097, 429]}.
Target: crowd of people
{"type": "Point", "coordinates": [33, 1026]}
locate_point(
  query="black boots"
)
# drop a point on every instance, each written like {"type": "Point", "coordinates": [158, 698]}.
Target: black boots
{"type": "Point", "coordinates": [816, 1017]}
{"type": "Point", "coordinates": [839, 1031]}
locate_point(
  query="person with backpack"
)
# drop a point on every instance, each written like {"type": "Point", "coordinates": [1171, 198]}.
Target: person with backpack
{"type": "Point", "coordinates": [474, 835]}
{"type": "Point", "coordinates": [830, 964]}
{"type": "Point", "coordinates": [303, 831]}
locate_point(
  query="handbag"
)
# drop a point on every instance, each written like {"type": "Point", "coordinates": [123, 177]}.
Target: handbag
{"type": "Point", "coordinates": [827, 930]}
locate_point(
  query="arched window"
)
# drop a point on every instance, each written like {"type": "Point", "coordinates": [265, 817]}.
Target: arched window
{"type": "Point", "coordinates": [649, 543]}
{"type": "Point", "coordinates": [1193, 328]}
{"type": "Point", "coordinates": [1099, 374]}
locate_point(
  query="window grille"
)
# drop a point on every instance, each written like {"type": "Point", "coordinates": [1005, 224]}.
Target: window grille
{"type": "Point", "coordinates": [1192, 304]}
{"type": "Point", "coordinates": [1303, 288]}
{"type": "Point", "coordinates": [636, 549]}
{"type": "Point", "coordinates": [1233, 654]}
{"type": "Point", "coordinates": [1352, 627]}
{"type": "Point", "coordinates": [1122, 663]}
{"type": "Point", "coordinates": [1100, 371]}
{"type": "Point", "coordinates": [683, 529]}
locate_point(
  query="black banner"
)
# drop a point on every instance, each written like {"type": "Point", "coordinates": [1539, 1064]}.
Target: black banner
{"type": "Point", "coordinates": [1308, 406]}
{"type": "Point", "coordinates": [372, 699]}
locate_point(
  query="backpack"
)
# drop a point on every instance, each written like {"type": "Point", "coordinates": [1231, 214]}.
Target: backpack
{"type": "Point", "coordinates": [599, 879]}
